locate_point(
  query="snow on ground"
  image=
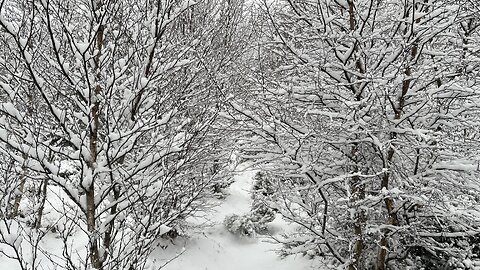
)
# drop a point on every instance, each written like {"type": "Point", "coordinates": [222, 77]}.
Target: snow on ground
{"type": "Point", "coordinates": [209, 245]}
{"type": "Point", "coordinates": [218, 249]}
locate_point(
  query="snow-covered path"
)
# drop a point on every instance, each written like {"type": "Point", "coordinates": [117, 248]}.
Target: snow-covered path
{"type": "Point", "coordinates": [217, 249]}
{"type": "Point", "coordinates": [210, 246]}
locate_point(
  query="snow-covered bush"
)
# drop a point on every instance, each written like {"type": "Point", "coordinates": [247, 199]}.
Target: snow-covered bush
{"type": "Point", "coordinates": [262, 191]}
{"type": "Point", "coordinates": [251, 223]}
{"type": "Point", "coordinates": [263, 185]}
{"type": "Point", "coordinates": [240, 225]}
{"type": "Point", "coordinates": [220, 186]}
{"type": "Point", "coordinates": [260, 213]}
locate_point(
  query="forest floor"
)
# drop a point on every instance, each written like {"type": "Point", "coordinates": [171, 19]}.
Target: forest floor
{"type": "Point", "coordinates": [208, 245]}
{"type": "Point", "coordinates": [212, 247]}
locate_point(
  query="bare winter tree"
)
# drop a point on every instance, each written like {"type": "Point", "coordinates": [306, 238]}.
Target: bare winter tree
{"type": "Point", "coordinates": [367, 111]}
{"type": "Point", "coordinates": [107, 108]}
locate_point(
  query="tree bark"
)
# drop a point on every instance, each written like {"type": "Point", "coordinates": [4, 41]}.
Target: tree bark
{"type": "Point", "coordinates": [43, 197]}
{"type": "Point", "coordinates": [358, 194]}
{"type": "Point", "coordinates": [95, 257]}
{"type": "Point", "coordinates": [392, 218]}
{"type": "Point", "coordinates": [19, 193]}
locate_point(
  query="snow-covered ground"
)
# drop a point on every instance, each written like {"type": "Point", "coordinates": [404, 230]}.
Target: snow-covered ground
{"type": "Point", "coordinates": [217, 249]}
{"type": "Point", "coordinates": [208, 244]}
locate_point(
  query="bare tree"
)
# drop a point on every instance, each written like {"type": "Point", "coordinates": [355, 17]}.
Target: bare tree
{"type": "Point", "coordinates": [126, 98]}
{"type": "Point", "coordinates": [361, 114]}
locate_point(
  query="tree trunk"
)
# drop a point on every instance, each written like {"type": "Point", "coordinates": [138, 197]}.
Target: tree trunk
{"type": "Point", "coordinates": [358, 193]}
{"type": "Point", "coordinates": [43, 197]}
{"type": "Point", "coordinates": [392, 218]}
{"type": "Point", "coordinates": [19, 193]}
{"type": "Point", "coordinates": [95, 257]}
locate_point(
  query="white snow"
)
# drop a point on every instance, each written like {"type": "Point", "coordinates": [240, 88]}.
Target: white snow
{"type": "Point", "coordinates": [10, 109]}
{"type": "Point", "coordinates": [214, 248]}
{"type": "Point", "coordinates": [208, 247]}
{"type": "Point", "coordinates": [143, 82]}
{"type": "Point", "coordinates": [82, 46]}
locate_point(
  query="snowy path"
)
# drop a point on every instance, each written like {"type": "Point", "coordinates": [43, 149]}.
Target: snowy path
{"type": "Point", "coordinates": [217, 249]}
{"type": "Point", "coordinates": [211, 246]}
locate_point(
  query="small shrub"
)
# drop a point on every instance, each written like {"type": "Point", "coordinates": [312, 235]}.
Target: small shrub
{"type": "Point", "coordinates": [240, 225]}
{"type": "Point", "coordinates": [260, 215]}
{"type": "Point", "coordinates": [262, 186]}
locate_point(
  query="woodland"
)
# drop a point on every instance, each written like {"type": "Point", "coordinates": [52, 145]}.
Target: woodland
{"type": "Point", "coordinates": [122, 120]}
